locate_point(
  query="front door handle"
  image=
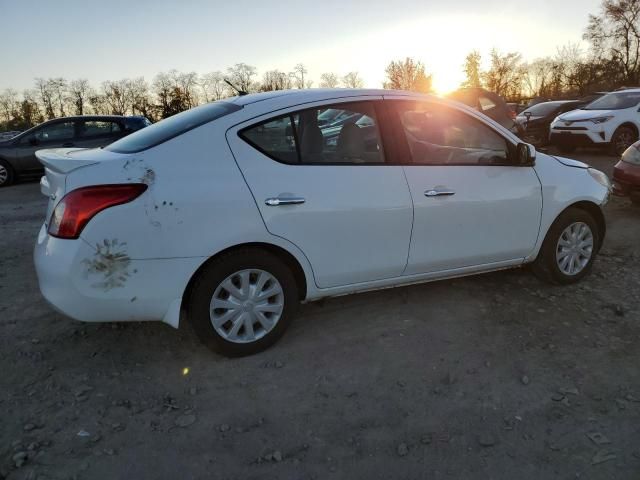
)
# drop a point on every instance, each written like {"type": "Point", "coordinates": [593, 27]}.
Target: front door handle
{"type": "Point", "coordinates": [437, 192]}
{"type": "Point", "coordinates": [277, 201]}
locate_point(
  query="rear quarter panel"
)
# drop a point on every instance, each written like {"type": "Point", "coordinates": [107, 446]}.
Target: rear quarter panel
{"type": "Point", "coordinates": [196, 204]}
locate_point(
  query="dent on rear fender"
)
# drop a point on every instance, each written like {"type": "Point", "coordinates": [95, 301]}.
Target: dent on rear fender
{"type": "Point", "coordinates": [108, 268]}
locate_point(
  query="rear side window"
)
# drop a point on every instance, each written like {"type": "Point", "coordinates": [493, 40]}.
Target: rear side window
{"type": "Point", "coordinates": [172, 127]}
{"type": "Point", "coordinates": [98, 128]}
{"type": "Point", "coordinates": [337, 134]}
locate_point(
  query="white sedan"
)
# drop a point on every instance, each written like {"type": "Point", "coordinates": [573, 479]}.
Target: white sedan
{"type": "Point", "coordinates": [235, 211]}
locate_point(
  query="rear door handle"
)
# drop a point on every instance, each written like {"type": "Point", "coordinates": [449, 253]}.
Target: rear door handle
{"type": "Point", "coordinates": [438, 192]}
{"type": "Point", "coordinates": [277, 201]}
{"type": "Point", "coordinates": [68, 144]}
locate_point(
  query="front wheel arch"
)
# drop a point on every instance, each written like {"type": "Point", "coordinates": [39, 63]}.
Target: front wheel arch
{"type": "Point", "coordinates": [595, 211]}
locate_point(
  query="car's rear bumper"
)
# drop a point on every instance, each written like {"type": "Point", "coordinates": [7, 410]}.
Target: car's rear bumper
{"type": "Point", "coordinates": [77, 280]}
{"type": "Point", "coordinates": [626, 179]}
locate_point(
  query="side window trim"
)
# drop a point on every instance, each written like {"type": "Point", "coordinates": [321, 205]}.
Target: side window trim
{"type": "Point", "coordinates": [378, 106]}
{"type": "Point", "coordinates": [402, 149]}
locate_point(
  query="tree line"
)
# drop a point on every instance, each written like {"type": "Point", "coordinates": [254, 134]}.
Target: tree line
{"type": "Point", "coordinates": [167, 94]}
{"type": "Point", "coordinates": [612, 60]}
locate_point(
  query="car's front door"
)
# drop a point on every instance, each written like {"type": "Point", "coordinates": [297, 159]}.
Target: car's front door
{"type": "Point", "coordinates": [472, 205]}
{"type": "Point", "coordinates": [97, 133]}
{"type": "Point", "coordinates": [60, 133]}
{"type": "Point", "coordinates": [326, 187]}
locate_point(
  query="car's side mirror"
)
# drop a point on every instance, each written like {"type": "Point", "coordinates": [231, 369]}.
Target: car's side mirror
{"type": "Point", "coordinates": [33, 141]}
{"type": "Point", "coordinates": [525, 154]}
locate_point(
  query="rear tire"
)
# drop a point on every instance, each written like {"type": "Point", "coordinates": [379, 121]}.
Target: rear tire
{"type": "Point", "coordinates": [558, 249]}
{"type": "Point", "coordinates": [242, 302]}
{"type": "Point", "coordinates": [7, 175]}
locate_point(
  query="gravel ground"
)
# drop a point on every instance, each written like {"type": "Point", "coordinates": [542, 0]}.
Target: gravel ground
{"type": "Point", "coordinates": [494, 376]}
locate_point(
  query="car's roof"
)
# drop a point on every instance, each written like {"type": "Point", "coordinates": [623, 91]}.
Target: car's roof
{"type": "Point", "coordinates": [626, 90]}
{"type": "Point", "coordinates": [556, 102]}
{"type": "Point", "coordinates": [313, 94]}
{"type": "Point", "coordinates": [93, 117]}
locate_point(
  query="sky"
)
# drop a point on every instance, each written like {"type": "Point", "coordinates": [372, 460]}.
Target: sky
{"type": "Point", "coordinates": [113, 39]}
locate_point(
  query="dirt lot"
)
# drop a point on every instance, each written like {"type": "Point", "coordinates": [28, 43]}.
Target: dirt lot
{"type": "Point", "coordinates": [496, 376]}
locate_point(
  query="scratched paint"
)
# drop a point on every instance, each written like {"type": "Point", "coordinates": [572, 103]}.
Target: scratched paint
{"type": "Point", "coordinates": [110, 264]}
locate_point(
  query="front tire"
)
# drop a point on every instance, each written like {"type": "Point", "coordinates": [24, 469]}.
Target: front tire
{"type": "Point", "coordinates": [7, 175]}
{"type": "Point", "coordinates": [622, 139]}
{"type": "Point", "coordinates": [242, 302]}
{"type": "Point", "coordinates": [569, 249]}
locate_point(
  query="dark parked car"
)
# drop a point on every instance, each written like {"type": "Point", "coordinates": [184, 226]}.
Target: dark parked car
{"type": "Point", "coordinates": [626, 174]}
{"type": "Point", "coordinates": [489, 103]}
{"type": "Point", "coordinates": [535, 120]}
{"type": "Point", "coordinates": [17, 155]}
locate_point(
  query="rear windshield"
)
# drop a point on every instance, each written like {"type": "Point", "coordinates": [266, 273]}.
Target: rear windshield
{"type": "Point", "coordinates": [542, 109]}
{"type": "Point", "coordinates": [615, 101]}
{"type": "Point", "coordinates": [172, 127]}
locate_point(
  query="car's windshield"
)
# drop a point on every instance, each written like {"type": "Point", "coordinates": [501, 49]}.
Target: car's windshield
{"type": "Point", "coordinates": [615, 101]}
{"type": "Point", "coordinates": [542, 109]}
{"type": "Point", "coordinates": [172, 127]}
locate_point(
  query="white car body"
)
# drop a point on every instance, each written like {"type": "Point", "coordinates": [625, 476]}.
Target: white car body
{"type": "Point", "coordinates": [595, 126]}
{"type": "Point", "coordinates": [361, 227]}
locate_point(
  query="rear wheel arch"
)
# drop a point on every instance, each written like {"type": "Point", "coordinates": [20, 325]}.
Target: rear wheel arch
{"type": "Point", "coordinates": [286, 257]}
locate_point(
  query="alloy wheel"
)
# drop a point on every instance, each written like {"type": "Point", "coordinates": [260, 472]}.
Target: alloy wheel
{"type": "Point", "coordinates": [246, 306]}
{"type": "Point", "coordinates": [574, 248]}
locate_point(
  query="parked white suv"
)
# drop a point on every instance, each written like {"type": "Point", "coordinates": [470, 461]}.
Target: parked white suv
{"type": "Point", "coordinates": [612, 120]}
{"type": "Point", "coordinates": [235, 211]}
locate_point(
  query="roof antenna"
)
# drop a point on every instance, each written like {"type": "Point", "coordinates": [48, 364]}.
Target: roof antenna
{"type": "Point", "coordinates": [240, 92]}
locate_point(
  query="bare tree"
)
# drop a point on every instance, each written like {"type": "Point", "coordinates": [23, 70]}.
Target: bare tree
{"type": "Point", "coordinates": [506, 74]}
{"type": "Point", "coordinates": [30, 114]}
{"type": "Point", "coordinates": [352, 80]}
{"type": "Point", "coordinates": [407, 74]}
{"type": "Point", "coordinates": [187, 83]}
{"type": "Point", "coordinates": [616, 33]}
{"type": "Point", "coordinates": [472, 70]}
{"type": "Point", "coordinates": [58, 87]}
{"type": "Point", "coordinates": [140, 98]}
{"type": "Point", "coordinates": [241, 75]}
{"type": "Point", "coordinates": [275, 80]}
{"type": "Point", "coordinates": [297, 76]}
{"type": "Point", "coordinates": [8, 103]}
{"type": "Point", "coordinates": [98, 103]}
{"type": "Point", "coordinates": [213, 86]}
{"type": "Point", "coordinates": [329, 80]}
{"type": "Point", "coordinates": [539, 78]}
{"type": "Point", "coordinates": [45, 96]}
{"type": "Point", "coordinates": [79, 91]}
{"type": "Point", "coordinates": [118, 96]}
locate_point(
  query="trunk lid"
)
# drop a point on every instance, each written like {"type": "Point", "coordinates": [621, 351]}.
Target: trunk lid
{"type": "Point", "coordinates": [60, 162]}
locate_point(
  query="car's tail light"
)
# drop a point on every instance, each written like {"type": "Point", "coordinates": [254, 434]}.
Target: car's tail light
{"type": "Point", "coordinates": [76, 208]}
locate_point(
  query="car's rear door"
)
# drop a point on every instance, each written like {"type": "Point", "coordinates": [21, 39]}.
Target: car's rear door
{"type": "Point", "coordinates": [60, 133]}
{"type": "Point", "coordinates": [472, 205]}
{"type": "Point", "coordinates": [329, 190]}
{"type": "Point", "coordinates": [93, 133]}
